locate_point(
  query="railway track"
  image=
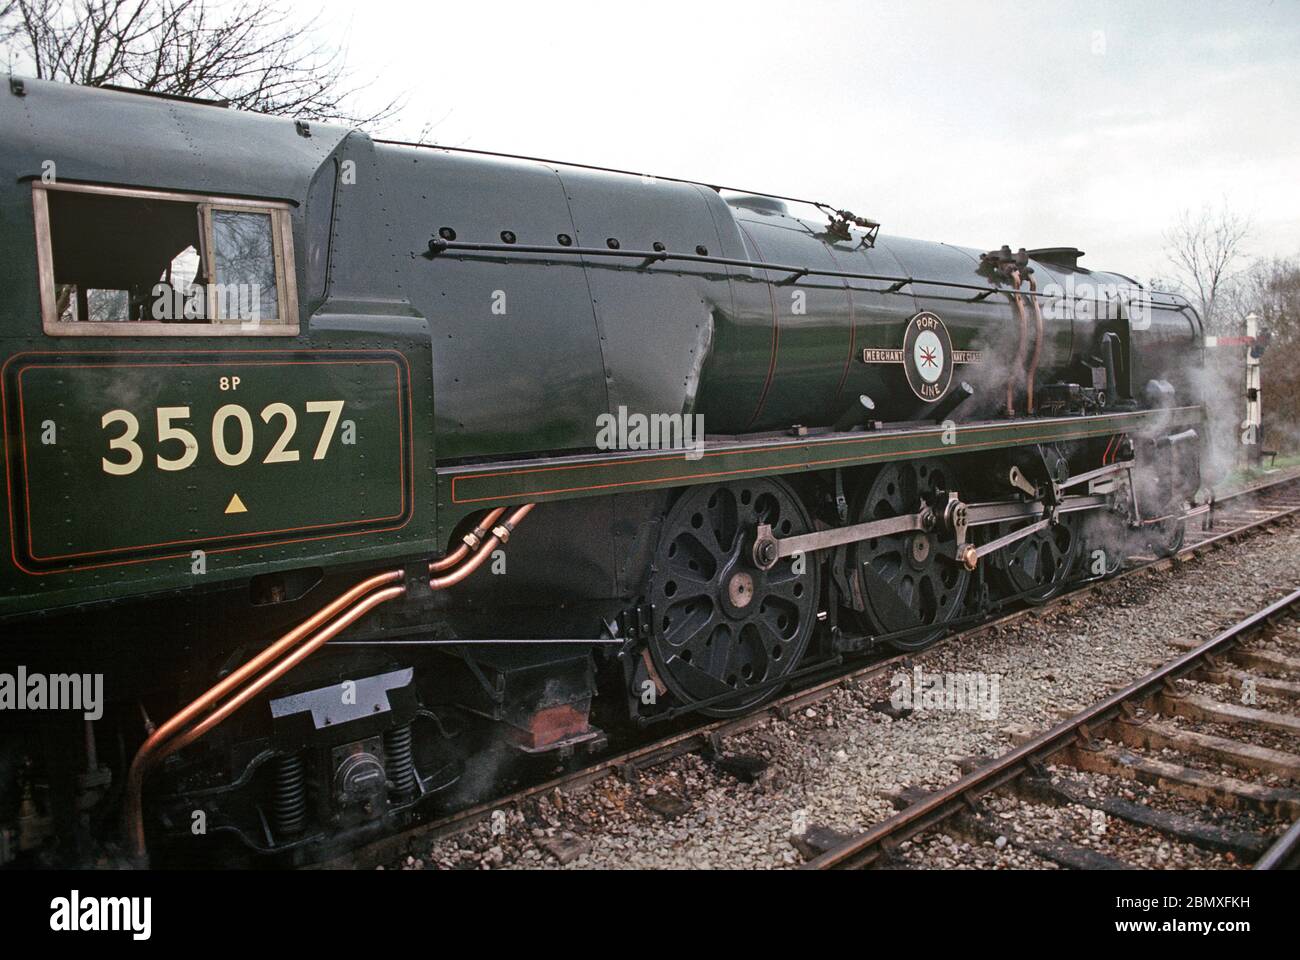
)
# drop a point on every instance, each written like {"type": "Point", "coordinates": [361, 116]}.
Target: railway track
{"type": "Point", "coordinates": [1135, 734]}
{"type": "Point", "coordinates": [1235, 516]}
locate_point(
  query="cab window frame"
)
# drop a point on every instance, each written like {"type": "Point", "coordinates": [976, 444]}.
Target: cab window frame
{"type": "Point", "coordinates": [286, 322]}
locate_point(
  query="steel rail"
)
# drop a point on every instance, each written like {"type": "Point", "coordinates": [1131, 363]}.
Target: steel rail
{"type": "Point", "coordinates": [1282, 855]}
{"type": "Point", "coordinates": [940, 803]}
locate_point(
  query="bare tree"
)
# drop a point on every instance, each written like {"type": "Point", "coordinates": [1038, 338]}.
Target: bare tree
{"type": "Point", "coordinates": [1205, 251]}
{"type": "Point", "coordinates": [8, 22]}
{"type": "Point", "coordinates": [254, 54]}
{"type": "Point", "coordinates": [1270, 289]}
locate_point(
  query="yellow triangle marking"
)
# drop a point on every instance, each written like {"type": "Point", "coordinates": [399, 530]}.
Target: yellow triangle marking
{"type": "Point", "coordinates": [236, 505]}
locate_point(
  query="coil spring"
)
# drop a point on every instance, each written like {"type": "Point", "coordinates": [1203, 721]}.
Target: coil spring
{"type": "Point", "coordinates": [289, 796]}
{"type": "Point", "coordinates": [399, 760]}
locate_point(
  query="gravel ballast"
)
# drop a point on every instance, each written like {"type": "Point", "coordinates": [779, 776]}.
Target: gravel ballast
{"type": "Point", "coordinates": [842, 763]}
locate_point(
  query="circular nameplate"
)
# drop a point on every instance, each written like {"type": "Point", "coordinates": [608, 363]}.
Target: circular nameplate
{"type": "Point", "coordinates": [927, 356]}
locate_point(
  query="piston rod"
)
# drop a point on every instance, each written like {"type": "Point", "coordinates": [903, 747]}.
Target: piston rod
{"type": "Point", "coordinates": [769, 549]}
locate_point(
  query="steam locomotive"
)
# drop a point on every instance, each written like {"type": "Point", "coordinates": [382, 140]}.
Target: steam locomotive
{"type": "Point", "coordinates": [354, 472]}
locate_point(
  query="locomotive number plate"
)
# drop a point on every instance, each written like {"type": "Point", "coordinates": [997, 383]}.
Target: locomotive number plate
{"type": "Point", "coordinates": [127, 457]}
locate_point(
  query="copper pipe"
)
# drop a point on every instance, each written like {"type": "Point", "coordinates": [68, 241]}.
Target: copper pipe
{"type": "Point", "coordinates": [1038, 346]}
{"type": "Point", "coordinates": [500, 534]}
{"type": "Point", "coordinates": [471, 540]}
{"type": "Point", "coordinates": [280, 669]}
{"type": "Point", "coordinates": [450, 560]}
{"type": "Point", "coordinates": [1017, 365]}
{"type": "Point", "coordinates": [159, 743]}
{"type": "Point", "coordinates": [271, 653]}
{"type": "Point", "coordinates": [278, 659]}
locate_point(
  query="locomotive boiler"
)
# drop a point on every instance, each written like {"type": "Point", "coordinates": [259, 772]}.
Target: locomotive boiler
{"type": "Point", "coordinates": [361, 471]}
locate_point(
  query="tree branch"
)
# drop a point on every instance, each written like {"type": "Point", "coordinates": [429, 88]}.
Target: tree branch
{"type": "Point", "coordinates": [253, 53]}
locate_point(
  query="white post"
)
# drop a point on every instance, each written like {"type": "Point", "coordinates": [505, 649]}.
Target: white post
{"type": "Point", "coordinates": [1253, 396]}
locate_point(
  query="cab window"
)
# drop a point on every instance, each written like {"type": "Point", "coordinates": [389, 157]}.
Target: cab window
{"type": "Point", "coordinates": [145, 263]}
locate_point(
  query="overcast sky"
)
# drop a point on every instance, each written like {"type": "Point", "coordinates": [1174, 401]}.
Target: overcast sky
{"type": "Point", "coordinates": [1035, 124]}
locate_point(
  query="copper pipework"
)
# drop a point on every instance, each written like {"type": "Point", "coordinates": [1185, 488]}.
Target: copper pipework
{"type": "Point", "coordinates": [224, 698]}
{"type": "Point", "coordinates": [470, 541]}
{"type": "Point", "coordinates": [264, 680]}
{"type": "Point", "coordinates": [500, 534]}
{"type": "Point", "coordinates": [176, 732]}
{"type": "Point", "coordinates": [267, 656]}
{"type": "Point", "coordinates": [1038, 346]}
{"type": "Point", "coordinates": [1018, 364]}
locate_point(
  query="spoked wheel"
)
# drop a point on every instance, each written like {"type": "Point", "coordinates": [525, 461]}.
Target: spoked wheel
{"type": "Point", "coordinates": [908, 581]}
{"type": "Point", "coordinates": [722, 626]}
{"type": "Point", "coordinates": [1039, 566]}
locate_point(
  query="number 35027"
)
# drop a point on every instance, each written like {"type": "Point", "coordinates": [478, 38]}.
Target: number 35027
{"type": "Point", "coordinates": [184, 445]}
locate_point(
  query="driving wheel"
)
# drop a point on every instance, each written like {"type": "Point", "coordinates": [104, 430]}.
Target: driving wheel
{"type": "Point", "coordinates": [908, 581]}
{"type": "Point", "coordinates": [723, 628]}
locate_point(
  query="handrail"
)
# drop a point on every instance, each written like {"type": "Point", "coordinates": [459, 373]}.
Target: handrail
{"type": "Point", "coordinates": [439, 246]}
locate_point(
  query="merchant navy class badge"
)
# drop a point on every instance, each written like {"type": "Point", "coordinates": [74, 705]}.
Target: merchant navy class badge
{"type": "Point", "coordinates": [927, 356]}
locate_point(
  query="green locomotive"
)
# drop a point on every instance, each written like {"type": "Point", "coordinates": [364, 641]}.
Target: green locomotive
{"type": "Point", "coordinates": [352, 467]}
